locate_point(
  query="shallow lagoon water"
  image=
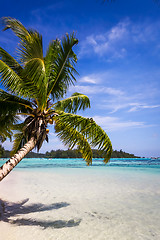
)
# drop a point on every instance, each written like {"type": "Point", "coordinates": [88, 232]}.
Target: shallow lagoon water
{"type": "Point", "coordinates": [80, 163]}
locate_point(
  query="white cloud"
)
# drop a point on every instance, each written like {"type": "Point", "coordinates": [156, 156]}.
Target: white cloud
{"type": "Point", "coordinates": [96, 78]}
{"type": "Point", "coordinates": [96, 90]}
{"type": "Point", "coordinates": [139, 106]}
{"type": "Point", "coordinates": [113, 91]}
{"type": "Point", "coordinates": [110, 124]}
{"type": "Point", "coordinates": [105, 43]}
{"type": "Point", "coordinates": [128, 95]}
{"type": "Point", "coordinates": [92, 41]}
{"type": "Point", "coordinates": [134, 97]}
{"type": "Point", "coordinates": [116, 42]}
{"type": "Point", "coordinates": [119, 31]}
{"type": "Point", "coordinates": [125, 102]}
{"type": "Point", "coordinates": [89, 79]}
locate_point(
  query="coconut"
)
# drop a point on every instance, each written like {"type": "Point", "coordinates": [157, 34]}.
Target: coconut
{"type": "Point", "coordinates": [50, 121]}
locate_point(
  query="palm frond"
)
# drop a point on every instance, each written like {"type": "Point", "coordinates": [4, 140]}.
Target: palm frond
{"type": "Point", "coordinates": [73, 104]}
{"type": "Point", "coordinates": [5, 133]}
{"type": "Point", "coordinates": [10, 61]}
{"type": "Point", "coordinates": [94, 134]}
{"type": "Point", "coordinates": [37, 82]}
{"type": "Point", "coordinates": [9, 79]}
{"type": "Point", "coordinates": [10, 102]}
{"type": "Point", "coordinates": [7, 121]}
{"type": "Point", "coordinates": [19, 141]}
{"type": "Point", "coordinates": [51, 56]}
{"type": "Point", "coordinates": [14, 77]}
{"type": "Point", "coordinates": [71, 137]}
{"type": "Point", "coordinates": [31, 47]}
{"type": "Point", "coordinates": [62, 72]}
{"type": "Point", "coordinates": [30, 40]}
{"type": "Point", "coordinates": [19, 137]}
{"type": "Point", "coordinates": [10, 106]}
{"type": "Point", "coordinates": [43, 136]}
{"type": "Point", "coordinates": [30, 53]}
{"type": "Point", "coordinates": [16, 26]}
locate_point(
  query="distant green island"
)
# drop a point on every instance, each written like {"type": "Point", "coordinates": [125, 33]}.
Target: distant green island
{"type": "Point", "coordinates": [68, 154]}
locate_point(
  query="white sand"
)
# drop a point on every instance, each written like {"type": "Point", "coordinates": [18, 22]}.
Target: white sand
{"type": "Point", "coordinates": [80, 204]}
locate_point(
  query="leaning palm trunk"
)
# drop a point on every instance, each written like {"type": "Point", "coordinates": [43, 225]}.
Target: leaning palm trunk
{"type": "Point", "coordinates": [7, 167]}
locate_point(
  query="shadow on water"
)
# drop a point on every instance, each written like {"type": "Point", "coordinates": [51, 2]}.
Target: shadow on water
{"type": "Point", "coordinates": [12, 209]}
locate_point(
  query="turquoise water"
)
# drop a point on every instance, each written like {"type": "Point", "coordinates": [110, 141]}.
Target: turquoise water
{"type": "Point", "coordinates": [45, 163]}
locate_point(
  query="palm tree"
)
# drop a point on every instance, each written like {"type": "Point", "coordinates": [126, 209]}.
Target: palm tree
{"type": "Point", "coordinates": [34, 87]}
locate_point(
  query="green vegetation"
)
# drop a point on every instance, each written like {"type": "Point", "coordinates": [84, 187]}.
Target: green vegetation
{"type": "Point", "coordinates": [75, 154]}
{"type": "Point", "coordinates": [71, 154]}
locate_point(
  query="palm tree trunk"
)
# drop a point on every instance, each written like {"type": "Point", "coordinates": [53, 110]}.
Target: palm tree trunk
{"type": "Point", "coordinates": [6, 168]}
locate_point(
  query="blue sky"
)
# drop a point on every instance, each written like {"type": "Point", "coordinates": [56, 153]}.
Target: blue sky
{"type": "Point", "coordinates": [118, 63]}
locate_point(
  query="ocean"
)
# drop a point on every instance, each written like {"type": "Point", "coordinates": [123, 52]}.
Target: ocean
{"type": "Point", "coordinates": [146, 164]}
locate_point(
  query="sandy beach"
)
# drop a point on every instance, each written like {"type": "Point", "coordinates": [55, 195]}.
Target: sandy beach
{"type": "Point", "coordinates": [68, 204]}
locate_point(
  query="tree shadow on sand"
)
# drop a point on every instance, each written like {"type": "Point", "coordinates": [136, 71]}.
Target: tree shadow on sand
{"type": "Point", "coordinates": [12, 209]}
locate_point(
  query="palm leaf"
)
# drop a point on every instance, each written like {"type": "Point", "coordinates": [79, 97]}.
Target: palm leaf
{"type": "Point", "coordinates": [41, 138]}
{"type": "Point", "coordinates": [19, 141]}
{"type": "Point", "coordinates": [10, 102]}
{"type": "Point", "coordinates": [71, 137]}
{"type": "Point", "coordinates": [37, 83]}
{"type": "Point", "coordinates": [30, 41]}
{"type": "Point", "coordinates": [74, 103]}
{"type": "Point", "coordinates": [10, 80]}
{"type": "Point", "coordinates": [94, 134]}
{"type": "Point", "coordinates": [51, 56]}
{"type": "Point", "coordinates": [10, 106]}
{"type": "Point", "coordinates": [6, 123]}
{"type": "Point", "coordinates": [62, 73]}
{"type": "Point", "coordinates": [14, 78]}
{"type": "Point", "coordinates": [10, 61]}
{"type": "Point", "coordinates": [16, 26]}
{"type": "Point", "coordinates": [31, 47]}
{"type": "Point", "coordinates": [19, 137]}
{"type": "Point", "coordinates": [30, 54]}
{"type": "Point", "coordinates": [5, 133]}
